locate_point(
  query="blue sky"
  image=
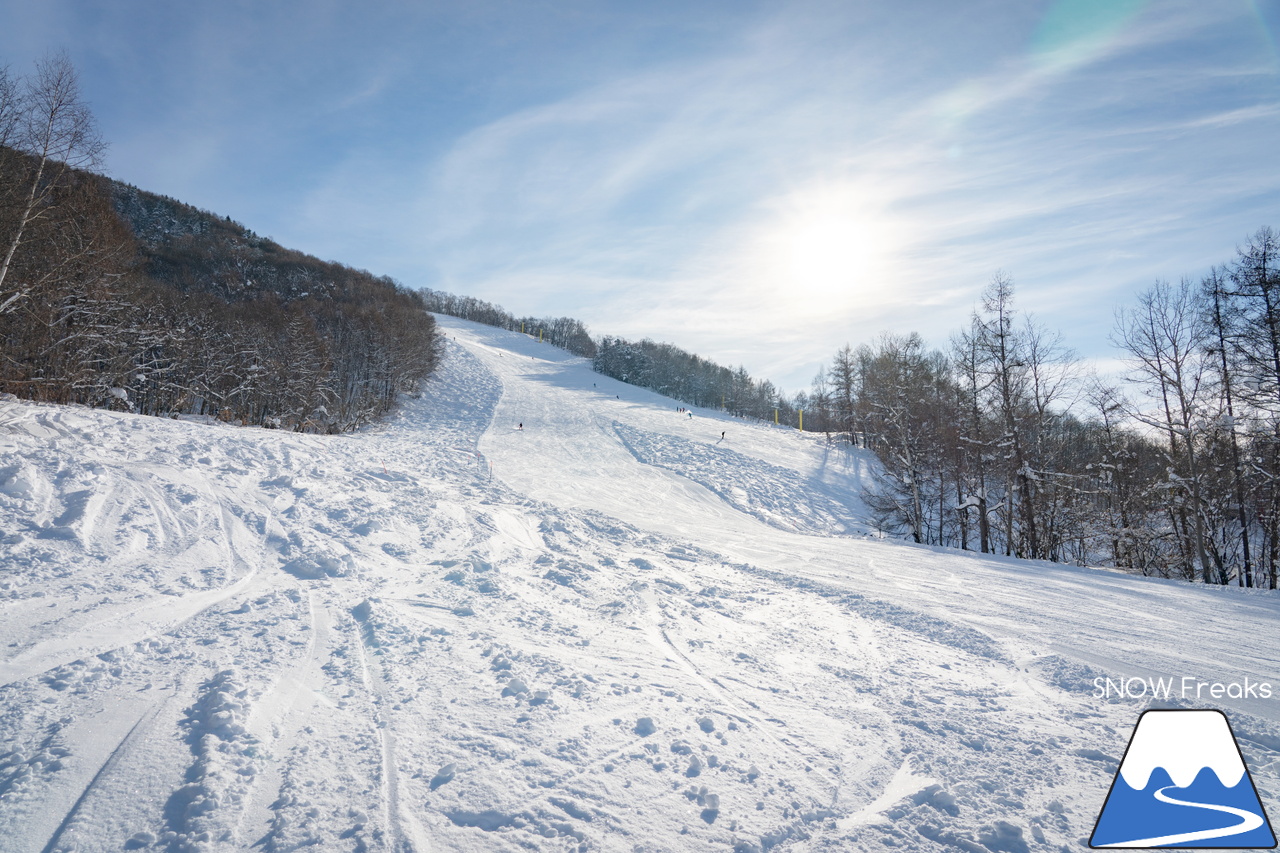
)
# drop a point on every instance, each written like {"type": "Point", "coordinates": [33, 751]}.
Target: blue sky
{"type": "Point", "coordinates": [758, 182]}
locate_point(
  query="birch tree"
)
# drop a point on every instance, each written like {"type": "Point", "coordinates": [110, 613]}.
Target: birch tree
{"type": "Point", "coordinates": [44, 117]}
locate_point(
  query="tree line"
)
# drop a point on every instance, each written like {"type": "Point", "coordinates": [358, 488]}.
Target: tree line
{"type": "Point", "coordinates": [1002, 443]}
{"type": "Point", "coordinates": [661, 367]}
{"type": "Point", "coordinates": [689, 378]}
{"type": "Point", "coordinates": [564, 332]}
{"type": "Point", "coordinates": [114, 297]}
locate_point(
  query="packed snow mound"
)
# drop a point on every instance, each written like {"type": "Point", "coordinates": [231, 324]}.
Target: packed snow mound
{"type": "Point", "coordinates": [612, 629]}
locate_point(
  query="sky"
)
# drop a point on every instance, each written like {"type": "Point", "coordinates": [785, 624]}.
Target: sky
{"type": "Point", "coordinates": [760, 183]}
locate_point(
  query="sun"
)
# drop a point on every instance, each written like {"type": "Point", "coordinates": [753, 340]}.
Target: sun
{"type": "Point", "coordinates": [824, 252]}
{"type": "Point", "coordinates": [826, 249]}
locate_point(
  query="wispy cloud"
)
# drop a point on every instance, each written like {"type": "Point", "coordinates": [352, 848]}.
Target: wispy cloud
{"type": "Point", "coordinates": [757, 183]}
{"type": "Point", "coordinates": [653, 199]}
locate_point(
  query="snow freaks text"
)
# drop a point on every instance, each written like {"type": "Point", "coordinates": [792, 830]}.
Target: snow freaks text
{"type": "Point", "coordinates": [1184, 687]}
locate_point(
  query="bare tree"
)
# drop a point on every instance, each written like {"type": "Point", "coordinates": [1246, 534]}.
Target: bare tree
{"type": "Point", "coordinates": [46, 118]}
{"type": "Point", "coordinates": [899, 401]}
{"type": "Point", "coordinates": [10, 107]}
{"type": "Point", "coordinates": [1004, 357]}
{"type": "Point", "coordinates": [973, 386]}
{"type": "Point", "coordinates": [1168, 340]}
{"type": "Point", "coordinates": [845, 387]}
{"type": "Point", "coordinates": [1051, 374]}
{"type": "Point", "coordinates": [1255, 300]}
{"type": "Point", "coordinates": [1217, 297]}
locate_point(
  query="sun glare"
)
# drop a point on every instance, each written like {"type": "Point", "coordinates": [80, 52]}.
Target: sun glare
{"type": "Point", "coordinates": [827, 250]}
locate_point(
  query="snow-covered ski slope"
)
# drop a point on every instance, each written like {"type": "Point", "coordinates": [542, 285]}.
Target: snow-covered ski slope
{"type": "Point", "coordinates": [608, 630]}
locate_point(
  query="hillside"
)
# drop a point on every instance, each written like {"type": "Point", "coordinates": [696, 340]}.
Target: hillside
{"type": "Point", "coordinates": [123, 299]}
{"type": "Point", "coordinates": [197, 251]}
{"type": "Point", "coordinates": [541, 609]}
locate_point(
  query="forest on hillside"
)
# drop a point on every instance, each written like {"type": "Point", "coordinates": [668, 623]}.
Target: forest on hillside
{"type": "Point", "coordinates": [661, 367]}
{"type": "Point", "coordinates": [111, 296]}
{"type": "Point", "coordinates": [564, 332]}
{"type": "Point", "coordinates": [1005, 443]}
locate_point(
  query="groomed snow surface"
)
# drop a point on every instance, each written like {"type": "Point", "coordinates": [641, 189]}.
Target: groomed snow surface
{"type": "Point", "coordinates": [608, 630]}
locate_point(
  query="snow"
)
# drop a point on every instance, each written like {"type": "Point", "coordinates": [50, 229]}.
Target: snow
{"type": "Point", "coordinates": [610, 630]}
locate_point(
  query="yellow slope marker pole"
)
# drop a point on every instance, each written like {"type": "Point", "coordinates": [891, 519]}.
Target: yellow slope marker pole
{"type": "Point", "coordinates": [801, 420]}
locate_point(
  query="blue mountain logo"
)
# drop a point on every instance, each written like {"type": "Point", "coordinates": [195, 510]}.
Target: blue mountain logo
{"type": "Point", "coordinates": [1183, 783]}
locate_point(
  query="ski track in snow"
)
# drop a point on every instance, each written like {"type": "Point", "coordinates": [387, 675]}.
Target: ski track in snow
{"type": "Point", "coordinates": [610, 630]}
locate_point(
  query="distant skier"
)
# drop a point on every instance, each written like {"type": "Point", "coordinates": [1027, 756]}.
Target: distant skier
{"type": "Point", "coordinates": [520, 425]}
{"type": "Point", "coordinates": [722, 435]}
{"type": "Point", "coordinates": [691, 416]}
